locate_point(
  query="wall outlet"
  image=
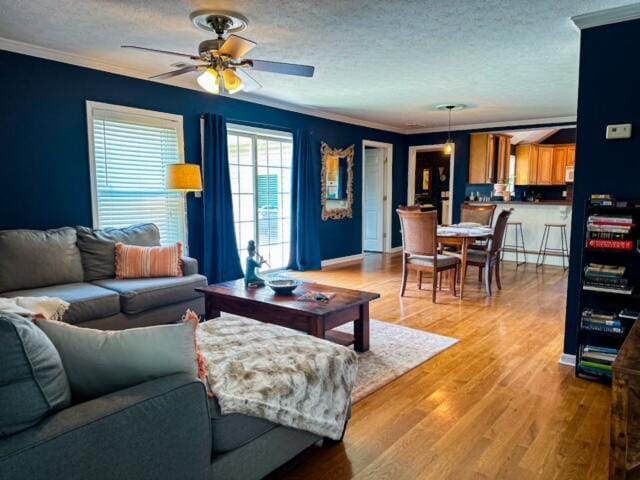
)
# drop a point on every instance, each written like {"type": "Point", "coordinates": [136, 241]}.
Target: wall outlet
{"type": "Point", "coordinates": [617, 132]}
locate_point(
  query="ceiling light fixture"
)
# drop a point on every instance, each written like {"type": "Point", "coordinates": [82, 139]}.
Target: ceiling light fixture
{"type": "Point", "coordinates": [223, 59]}
{"type": "Point", "coordinates": [209, 81]}
{"type": "Point", "coordinates": [450, 107]}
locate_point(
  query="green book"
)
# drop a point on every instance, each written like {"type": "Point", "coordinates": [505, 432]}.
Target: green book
{"type": "Point", "coordinates": [595, 365]}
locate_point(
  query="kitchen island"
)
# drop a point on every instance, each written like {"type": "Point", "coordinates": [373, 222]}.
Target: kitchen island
{"type": "Point", "coordinates": [533, 216]}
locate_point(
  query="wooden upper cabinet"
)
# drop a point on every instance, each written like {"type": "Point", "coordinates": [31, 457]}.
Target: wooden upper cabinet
{"type": "Point", "coordinates": [489, 158]}
{"type": "Point", "coordinates": [480, 152]}
{"type": "Point", "coordinates": [571, 155]}
{"type": "Point", "coordinates": [503, 158]}
{"type": "Point", "coordinates": [559, 168]}
{"type": "Point", "coordinates": [538, 164]}
{"type": "Point", "coordinates": [545, 165]}
{"type": "Point", "coordinates": [526, 164]}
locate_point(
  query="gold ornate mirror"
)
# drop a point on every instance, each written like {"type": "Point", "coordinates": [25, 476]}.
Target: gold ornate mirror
{"type": "Point", "coordinates": [337, 182]}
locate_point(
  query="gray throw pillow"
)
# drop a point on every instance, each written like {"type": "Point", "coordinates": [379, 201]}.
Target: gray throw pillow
{"type": "Point", "coordinates": [33, 382]}
{"type": "Point", "coordinates": [100, 362]}
{"type": "Point", "coordinates": [38, 258]}
{"type": "Point", "coordinates": [98, 247]}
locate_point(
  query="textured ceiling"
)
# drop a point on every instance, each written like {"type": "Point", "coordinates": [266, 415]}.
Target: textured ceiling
{"type": "Point", "coordinates": [378, 60]}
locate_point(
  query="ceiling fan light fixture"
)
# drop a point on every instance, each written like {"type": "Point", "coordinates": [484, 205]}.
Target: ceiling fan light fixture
{"type": "Point", "coordinates": [232, 82]}
{"type": "Point", "coordinates": [209, 81]}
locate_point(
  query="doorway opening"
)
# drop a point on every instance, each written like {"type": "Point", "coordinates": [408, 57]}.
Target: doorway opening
{"type": "Point", "coordinates": [377, 165]}
{"type": "Point", "coordinates": [431, 179]}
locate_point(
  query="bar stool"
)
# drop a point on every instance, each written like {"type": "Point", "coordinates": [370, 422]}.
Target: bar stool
{"type": "Point", "coordinates": [544, 249]}
{"type": "Point", "coordinates": [516, 247]}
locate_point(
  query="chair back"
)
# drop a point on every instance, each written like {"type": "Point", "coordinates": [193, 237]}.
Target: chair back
{"type": "Point", "coordinates": [499, 231]}
{"type": "Point", "coordinates": [419, 232]}
{"type": "Point", "coordinates": [482, 214]}
{"type": "Point", "coordinates": [410, 208]}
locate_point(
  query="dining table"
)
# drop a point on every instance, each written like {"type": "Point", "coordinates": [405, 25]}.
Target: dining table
{"type": "Point", "coordinates": [462, 236]}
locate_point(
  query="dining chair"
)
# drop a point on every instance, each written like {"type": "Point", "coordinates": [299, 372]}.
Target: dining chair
{"type": "Point", "coordinates": [420, 250]}
{"type": "Point", "coordinates": [482, 214]}
{"type": "Point", "coordinates": [410, 208]}
{"type": "Point", "coordinates": [489, 258]}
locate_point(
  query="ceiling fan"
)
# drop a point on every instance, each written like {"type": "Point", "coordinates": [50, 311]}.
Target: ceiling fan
{"type": "Point", "coordinates": [223, 64]}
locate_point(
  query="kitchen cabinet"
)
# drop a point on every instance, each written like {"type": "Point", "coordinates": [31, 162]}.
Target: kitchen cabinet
{"type": "Point", "coordinates": [526, 164]}
{"type": "Point", "coordinates": [571, 156]}
{"type": "Point", "coordinates": [538, 164]}
{"type": "Point", "coordinates": [489, 158]}
{"type": "Point", "coordinates": [545, 165]}
{"type": "Point", "coordinates": [559, 166]}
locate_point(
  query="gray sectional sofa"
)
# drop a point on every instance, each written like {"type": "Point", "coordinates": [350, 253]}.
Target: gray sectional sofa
{"type": "Point", "coordinates": [78, 265]}
{"type": "Point", "coordinates": [167, 428]}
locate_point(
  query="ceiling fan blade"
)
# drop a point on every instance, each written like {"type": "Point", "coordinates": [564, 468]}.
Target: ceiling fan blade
{"type": "Point", "coordinates": [236, 47]}
{"type": "Point", "coordinates": [175, 73]}
{"type": "Point", "coordinates": [284, 68]}
{"type": "Point", "coordinates": [166, 52]}
{"type": "Point", "coordinates": [250, 83]}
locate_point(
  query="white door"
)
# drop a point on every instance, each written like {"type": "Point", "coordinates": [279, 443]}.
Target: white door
{"type": "Point", "coordinates": [373, 216]}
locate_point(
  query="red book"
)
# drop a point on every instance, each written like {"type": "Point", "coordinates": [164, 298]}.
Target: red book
{"type": "Point", "coordinates": [613, 224]}
{"type": "Point", "coordinates": [610, 244]}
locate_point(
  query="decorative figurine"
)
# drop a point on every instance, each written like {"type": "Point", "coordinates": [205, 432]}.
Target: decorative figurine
{"type": "Point", "coordinates": [254, 261]}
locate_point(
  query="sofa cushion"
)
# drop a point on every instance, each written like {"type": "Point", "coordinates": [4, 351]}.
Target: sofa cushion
{"type": "Point", "coordinates": [37, 258]}
{"type": "Point", "coordinates": [32, 379]}
{"type": "Point", "coordinates": [98, 247]}
{"type": "Point", "coordinates": [234, 430]}
{"type": "Point", "coordinates": [427, 261]}
{"type": "Point", "coordinates": [100, 362]}
{"type": "Point", "coordinates": [88, 301]}
{"type": "Point", "coordinates": [148, 262]}
{"type": "Point", "coordinates": [138, 295]}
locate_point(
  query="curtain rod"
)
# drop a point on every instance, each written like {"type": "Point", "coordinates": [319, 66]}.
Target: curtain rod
{"type": "Point", "coordinates": [258, 124]}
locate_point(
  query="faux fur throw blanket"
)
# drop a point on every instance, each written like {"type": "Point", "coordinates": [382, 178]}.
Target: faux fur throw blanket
{"type": "Point", "coordinates": [49, 308]}
{"type": "Point", "coordinates": [281, 375]}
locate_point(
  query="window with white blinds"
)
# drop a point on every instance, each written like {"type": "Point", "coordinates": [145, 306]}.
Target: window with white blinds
{"type": "Point", "coordinates": [130, 149]}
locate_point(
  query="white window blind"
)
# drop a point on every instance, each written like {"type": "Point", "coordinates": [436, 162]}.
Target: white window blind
{"type": "Point", "coordinates": [130, 152]}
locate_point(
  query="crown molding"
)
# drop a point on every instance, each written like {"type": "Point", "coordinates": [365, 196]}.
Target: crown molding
{"type": "Point", "coordinates": [82, 61]}
{"type": "Point", "coordinates": [608, 16]}
{"type": "Point", "coordinates": [546, 122]}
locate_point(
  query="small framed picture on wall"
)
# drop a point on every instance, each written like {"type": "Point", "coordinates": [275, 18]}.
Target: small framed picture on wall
{"type": "Point", "coordinates": [426, 180]}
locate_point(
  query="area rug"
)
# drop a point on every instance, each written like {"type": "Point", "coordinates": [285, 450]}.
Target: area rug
{"type": "Point", "coordinates": [394, 350]}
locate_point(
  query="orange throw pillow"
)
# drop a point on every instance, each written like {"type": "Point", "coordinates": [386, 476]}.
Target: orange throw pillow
{"type": "Point", "coordinates": [146, 262]}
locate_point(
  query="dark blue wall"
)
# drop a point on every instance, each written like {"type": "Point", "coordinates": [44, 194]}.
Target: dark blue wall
{"type": "Point", "coordinates": [44, 168]}
{"type": "Point", "coordinates": [608, 94]}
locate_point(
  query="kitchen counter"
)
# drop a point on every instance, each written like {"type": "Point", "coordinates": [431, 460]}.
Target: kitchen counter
{"type": "Point", "coordinates": [564, 203]}
{"type": "Point", "coordinates": [533, 216]}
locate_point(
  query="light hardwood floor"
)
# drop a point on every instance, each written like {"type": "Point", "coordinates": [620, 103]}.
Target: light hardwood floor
{"type": "Point", "coordinates": [497, 405]}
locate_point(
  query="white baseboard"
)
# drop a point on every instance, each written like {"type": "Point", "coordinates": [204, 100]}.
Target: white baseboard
{"type": "Point", "coordinates": [568, 359]}
{"type": "Point", "coordinates": [339, 260]}
{"type": "Point", "coordinates": [395, 249]}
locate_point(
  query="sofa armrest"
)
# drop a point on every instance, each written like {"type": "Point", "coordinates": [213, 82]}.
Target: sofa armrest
{"type": "Point", "coordinates": [158, 429]}
{"type": "Point", "coordinates": [189, 266]}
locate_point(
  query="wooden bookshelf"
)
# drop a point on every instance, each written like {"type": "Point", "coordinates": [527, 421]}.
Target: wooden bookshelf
{"type": "Point", "coordinates": [607, 301]}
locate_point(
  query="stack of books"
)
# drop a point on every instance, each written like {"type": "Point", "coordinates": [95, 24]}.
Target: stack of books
{"type": "Point", "coordinates": [611, 232]}
{"type": "Point", "coordinates": [602, 200]}
{"type": "Point", "coordinates": [597, 360]}
{"type": "Point", "coordinates": [606, 278]}
{"type": "Point", "coordinates": [601, 321]}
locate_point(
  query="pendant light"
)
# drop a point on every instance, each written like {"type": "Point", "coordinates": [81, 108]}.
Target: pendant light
{"type": "Point", "coordinates": [448, 146]}
{"type": "Point", "coordinates": [449, 107]}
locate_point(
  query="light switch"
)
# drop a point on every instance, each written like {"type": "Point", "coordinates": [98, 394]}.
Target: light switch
{"type": "Point", "coordinates": [617, 132]}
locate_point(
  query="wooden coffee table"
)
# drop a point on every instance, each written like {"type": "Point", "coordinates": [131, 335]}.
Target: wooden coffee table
{"type": "Point", "coordinates": [315, 318]}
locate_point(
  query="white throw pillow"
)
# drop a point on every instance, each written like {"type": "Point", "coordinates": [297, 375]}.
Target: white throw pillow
{"type": "Point", "coordinates": [99, 362]}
